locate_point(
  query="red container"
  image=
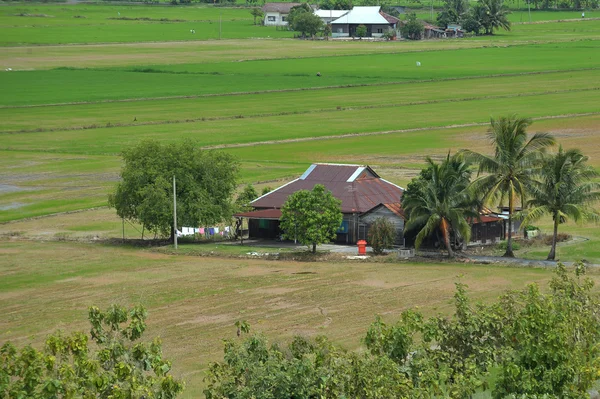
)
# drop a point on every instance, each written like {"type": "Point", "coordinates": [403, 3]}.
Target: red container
{"type": "Point", "coordinates": [362, 247]}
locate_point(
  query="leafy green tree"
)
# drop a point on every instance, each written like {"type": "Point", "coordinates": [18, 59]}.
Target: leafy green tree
{"type": "Point", "coordinates": [361, 31]}
{"type": "Point", "coordinates": [553, 340]}
{"type": "Point", "coordinates": [491, 15]}
{"type": "Point", "coordinates": [257, 14]}
{"type": "Point", "coordinates": [116, 366]}
{"type": "Point", "coordinates": [412, 28]}
{"type": "Point", "coordinates": [327, 31]}
{"type": "Point", "coordinates": [296, 11]}
{"type": "Point", "coordinates": [335, 5]}
{"type": "Point", "coordinates": [382, 234]}
{"type": "Point", "coordinates": [311, 217]}
{"type": "Point", "coordinates": [452, 12]}
{"type": "Point", "coordinates": [307, 23]}
{"type": "Point", "coordinates": [247, 195]}
{"type": "Point", "coordinates": [206, 181]}
{"type": "Point", "coordinates": [266, 190]}
{"type": "Point", "coordinates": [566, 189]}
{"type": "Point", "coordinates": [441, 200]}
{"type": "Point", "coordinates": [512, 168]}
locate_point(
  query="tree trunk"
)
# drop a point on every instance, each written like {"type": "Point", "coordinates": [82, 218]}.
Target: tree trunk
{"type": "Point", "coordinates": [446, 234]}
{"type": "Point", "coordinates": [509, 250]}
{"type": "Point", "coordinates": [172, 237]}
{"type": "Point", "coordinates": [314, 250]}
{"type": "Point", "coordinates": [552, 254]}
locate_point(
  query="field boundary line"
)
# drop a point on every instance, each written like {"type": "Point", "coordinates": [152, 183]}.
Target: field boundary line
{"type": "Point", "coordinates": [292, 90]}
{"type": "Point", "coordinates": [557, 20]}
{"type": "Point", "coordinates": [384, 132]}
{"type": "Point", "coordinates": [288, 113]}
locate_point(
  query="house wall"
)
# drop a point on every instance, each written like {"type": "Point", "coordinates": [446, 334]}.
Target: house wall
{"type": "Point", "coordinates": [340, 30]}
{"type": "Point", "coordinates": [275, 19]}
{"type": "Point", "coordinates": [487, 233]}
{"type": "Point", "coordinates": [382, 212]}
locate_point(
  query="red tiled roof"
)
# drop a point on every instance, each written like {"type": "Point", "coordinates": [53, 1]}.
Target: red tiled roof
{"type": "Point", "coordinates": [358, 187]}
{"type": "Point", "coordinates": [261, 214]}
{"type": "Point", "coordinates": [282, 8]}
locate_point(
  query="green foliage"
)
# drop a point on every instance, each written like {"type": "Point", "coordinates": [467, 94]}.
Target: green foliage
{"type": "Point", "coordinates": [412, 28]}
{"type": "Point", "coordinates": [543, 344]}
{"type": "Point", "coordinates": [382, 234]}
{"type": "Point", "coordinates": [327, 31]}
{"type": "Point", "coordinates": [510, 171]}
{"type": "Point", "coordinates": [247, 195]}
{"type": "Point", "coordinates": [361, 31]}
{"type": "Point", "coordinates": [335, 5]}
{"type": "Point", "coordinates": [257, 14]}
{"type": "Point", "coordinates": [503, 245]}
{"type": "Point", "coordinates": [439, 199]}
{"type": "Point", "coordinates": [297, 11]}
{"type": "Point", "coordinates": [565, 189]}
{"type": "Point", "coordinates": [490, 15]}
{"type": "Point", "coordinates": [390, 33]}
{"type": "Point", "coordinates": [206, 180]}
{"type": "Point", "coordinates": [266, 190]}
{"type": "Point", "coordinates": [117, 367]}
{"type": "Point", "coordinates": [452, 12]}
{"type": "Point", "coordinates": [307, 23]}
{"type": "Point", "coordinates": [552, 346]}
{"type": "Point", "coordinates": [311, 217]}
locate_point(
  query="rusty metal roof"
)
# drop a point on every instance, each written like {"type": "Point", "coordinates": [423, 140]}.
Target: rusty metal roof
{"type": "Point", "coordinates": [282, 8]}
{"type": "Point", "coordinates": [274, 214]}
{"type": "Point", "coordinates": [358, 187]}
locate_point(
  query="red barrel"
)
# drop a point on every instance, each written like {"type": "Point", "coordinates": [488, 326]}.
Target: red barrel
{"type": "Point", "coordinates": [362, 247]}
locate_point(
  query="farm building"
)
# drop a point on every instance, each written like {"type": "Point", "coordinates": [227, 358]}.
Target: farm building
{"type": "Point", "coordinates": [375, 20]}
{"type": "Point", "coordinates": [364, 196]}
{"type": "Point", "coordinates": [276, 13]}
{"type": "Point", "coordinates": [327, 16]}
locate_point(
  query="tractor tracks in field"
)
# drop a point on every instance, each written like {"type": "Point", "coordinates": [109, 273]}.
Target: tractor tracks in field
{"type": "Point", "coordinates": [304, 112]}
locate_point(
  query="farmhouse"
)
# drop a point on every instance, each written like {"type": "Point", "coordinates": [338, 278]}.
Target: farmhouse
{"type": "Point", "coordinates": [364, 195]}
{"type": "Point", "coordinates": [327, 16]}
{"type": "Point", "coordinates": [276, 13]}
{"type": "Point", "coordinates": [375, 20]}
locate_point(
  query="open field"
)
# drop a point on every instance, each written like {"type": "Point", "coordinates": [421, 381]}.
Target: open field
{"type": "Point", "coordinates": [193, 302]}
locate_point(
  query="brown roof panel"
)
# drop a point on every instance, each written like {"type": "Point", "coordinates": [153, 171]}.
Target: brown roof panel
{"type": "Point", "coordinates": [261, 214]}
{"type": "Point", "coordinates": [358, 195]}
{"type": "Point", "coordinates": [282, 8]}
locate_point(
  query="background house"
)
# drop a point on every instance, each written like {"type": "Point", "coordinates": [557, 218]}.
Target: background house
{"type": "Point", "coordinates": [276, 13]}
{"type": "Point", "coordinates": [364, 196]}
{"type": "Point", "coordinates": [327, 16]}
{"type": "Point", "coordinates": [375, 20]}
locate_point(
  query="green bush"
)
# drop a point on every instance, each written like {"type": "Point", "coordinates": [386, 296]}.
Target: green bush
{"type": "Point", "coordinates": [382, 234]}
{"type": "Point", "coordinates": [502, 245]}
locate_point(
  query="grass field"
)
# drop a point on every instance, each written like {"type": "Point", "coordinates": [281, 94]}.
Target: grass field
{"type": "Point", "coordinates": [193, 302]}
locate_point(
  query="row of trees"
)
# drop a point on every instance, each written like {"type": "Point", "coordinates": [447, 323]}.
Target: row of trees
{"type": "Point", "coordinates": [443, 199]}
{"type": "Point", "coordinates": [485, 16]}
{"type": "Point", "coordinates": [539, 343]}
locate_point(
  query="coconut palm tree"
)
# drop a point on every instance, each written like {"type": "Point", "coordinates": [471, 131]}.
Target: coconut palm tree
{"type": "Point", "coordinates": [440, 199]}
{"type": "Point", "coordinates": [507, 174]}
{"type": "Point", "coordinates": [565, 190]}
{"type": "Point", "coordinates": [492, 15]}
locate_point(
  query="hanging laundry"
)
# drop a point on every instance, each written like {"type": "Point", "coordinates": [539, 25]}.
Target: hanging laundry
{"type": "Point", "coordinates": [227, 229]}
{"type": "Point", "coordinates": [216, 230]}
{"type": "Point", "coordinates": [211, 231]}
{"type": "Point", "coordinates": [221, 232]}
{"type": "Point", "coordinates": [202, 230]}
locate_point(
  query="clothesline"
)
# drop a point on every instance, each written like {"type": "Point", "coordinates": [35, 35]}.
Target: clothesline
{"type": "Point", "coordinates": [204, 231]}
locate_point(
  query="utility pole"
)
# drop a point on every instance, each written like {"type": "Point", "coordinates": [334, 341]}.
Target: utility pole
{"type": "Point", "coordinates": [219, 25]}
{"type": "Point", "coordinates": [123, 220]}
{"type": "Point", "coordinates": [174, 213]}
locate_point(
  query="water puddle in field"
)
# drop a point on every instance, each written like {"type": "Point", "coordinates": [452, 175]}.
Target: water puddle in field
{"type": "Point", "coordinates": [9, 188]}
{"type": "Point", "coordinates": [12, 205]}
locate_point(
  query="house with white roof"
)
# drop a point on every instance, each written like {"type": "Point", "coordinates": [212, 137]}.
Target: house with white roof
{"type": "Point", "coordinates": [327, 16]}
{"type": "Point", "coordinates": [375, 20]}
{"type": "Point", "coordinates": [276, 13]}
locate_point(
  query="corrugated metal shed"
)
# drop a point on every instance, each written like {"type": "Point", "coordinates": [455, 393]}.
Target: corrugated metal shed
{"type": "Point", "coordinates": [282, 8]}
{"type": "Point", "coordinates": [358, 187]}
{"type": "Point", "coordinates": [273, 214]}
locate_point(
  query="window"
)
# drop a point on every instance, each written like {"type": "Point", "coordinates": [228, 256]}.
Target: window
{"type": "Point", "coordinates": [271, 18]}
{"type": "Point", "coordinates": [379, 30]}
{"type": "Point", "coordinates": [283, 19]}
